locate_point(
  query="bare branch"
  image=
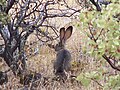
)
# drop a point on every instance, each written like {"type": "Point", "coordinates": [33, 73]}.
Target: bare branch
{"type": "Point", "coordinates": [111, 62]}
{"type": "Point", "coordinates": [10, 3]}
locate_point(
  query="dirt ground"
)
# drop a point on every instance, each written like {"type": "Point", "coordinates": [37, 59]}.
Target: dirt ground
{"type": "Point", "coordinates": [43, 63]}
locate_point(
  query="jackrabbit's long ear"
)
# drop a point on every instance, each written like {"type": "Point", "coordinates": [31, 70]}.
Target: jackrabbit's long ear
{"type": "Point", "coordinates": [62, 33]}
{"type": "Point", "coordinates": [68, 32]}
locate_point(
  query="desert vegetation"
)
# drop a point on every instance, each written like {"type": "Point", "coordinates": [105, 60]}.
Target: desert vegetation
{"type": "Point", "coordinates": [30, 29]}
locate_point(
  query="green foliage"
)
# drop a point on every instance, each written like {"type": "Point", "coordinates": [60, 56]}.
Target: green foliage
{"type": "Point", "coordinates": [86, 78]}
{"type": "Point", "coordinates": [3, 16]}
{"type": "Point", "coordinates": [104, 28]}
{"type": "Point", "coordinates": [2, 2]}
{"type": "Point", "coordinates": [113, 83]}
{"type": "Point", "coordinates": [83, 79]}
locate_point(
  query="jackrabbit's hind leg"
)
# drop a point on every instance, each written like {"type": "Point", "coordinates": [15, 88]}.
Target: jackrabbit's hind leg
{"type": "Point", "coordinates": [68, 74]}
{"type": "Point", "coordinates": [60, 77]}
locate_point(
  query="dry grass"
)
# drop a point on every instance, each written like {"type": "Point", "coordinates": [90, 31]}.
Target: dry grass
{"type": "Point", "coordinates": [43, 63]}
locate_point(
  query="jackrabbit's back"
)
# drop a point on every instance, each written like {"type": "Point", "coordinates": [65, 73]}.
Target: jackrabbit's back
{"type": "Point", "coordinates": [62, 61]}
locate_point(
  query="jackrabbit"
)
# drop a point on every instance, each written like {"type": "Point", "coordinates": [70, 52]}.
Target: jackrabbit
{"type": "Point", "coordinates": [63, 57]}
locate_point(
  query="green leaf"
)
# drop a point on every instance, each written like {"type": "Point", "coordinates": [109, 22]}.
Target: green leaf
{"type": "Point", "coordinates": [102, 45]}
{"type": "Point", "coordinates": [79, 77]}
{"type": "Point", "coordinates": [106, 87]}
{"type": "Point", "coordinates": [116, 42]}
{"type": "Point", "coordinates": [84, 80]}
{"type": "Point", "coordinates": [95, 75]}
{"type": "Point", "coordinates": [114, 81]}
{"type": "Point", "coordinates": [100, 23]}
